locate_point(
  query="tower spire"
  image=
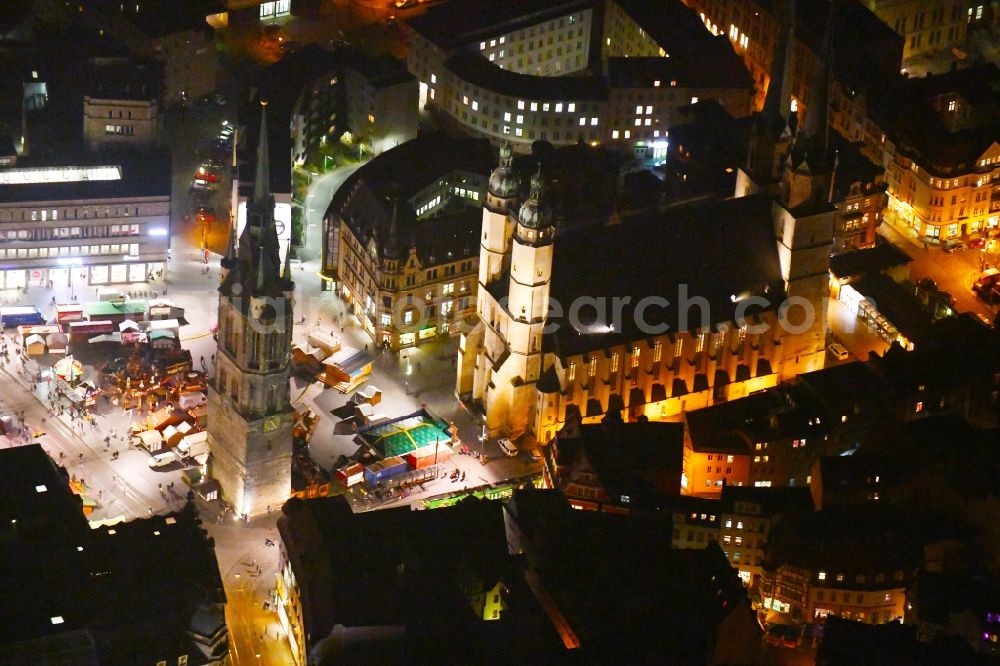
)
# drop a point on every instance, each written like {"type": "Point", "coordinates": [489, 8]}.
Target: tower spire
{"type": "Point", "coordinates": [816, 124]}
{"type": "Point", "coordinates": [262, 188]}
{"type": "Point", "coordinates": [778, 100]}
{"type": "Point", "coordinates": [287, 270]}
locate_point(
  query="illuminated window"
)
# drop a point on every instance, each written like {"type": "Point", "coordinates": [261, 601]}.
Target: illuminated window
{"type": "Point", "coordinates": [520, 105]}
{"type": "Point", "coordinates": [627, 134]}
{"type": "Point", "coordinates": [571, 107]}
{"type": "Point", "coordinates": [434, 78]}
{"type": "Point", "coordinates": [951, 105]}
{"type": "Point", "coordinates": [520, 119]}
{"type": "Point", "coordinates": [638, 109]}
{"type": "Point", "coordinates": [821, 575]}
{"type": "Point", "coordinates": [614, 361]}
{"type": "Point", "coordinates": [571, 372]}
{"type": "Point", "coordinates": [408, 317]}
{"type": "Point", "coordinates": [614, 134]}
{"type": "Point", "coordinates": [592, 366]}
{"type": "Point", "coordinates": [729, 459]}
{"type": "Point", "coordinates": [559, 107]}
{"type": "Point", "coordinates": [534, 106]}
{"type": "Point", "coordinates": [593, 122]}
{"type": "Point", "coordinates": [657, 351]}
{"type": "Point", "coordinates": [475, 105]}
{"type": "Point", "coordinates": [694, 100]}
{"type": "Point", "coordinates": [506, 116]}
{"type": "Point", "coordinates": [635, 357]}
{"type": "Point", "coordinates": [386, 319]}
{"type": "Point", "coordinates": [371, 118]}
{"type": "Point", "coordinates": [649, 109]}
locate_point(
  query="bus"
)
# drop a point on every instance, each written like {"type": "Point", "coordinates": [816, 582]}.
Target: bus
{"type": "Point", "coordinates": [20, 315]}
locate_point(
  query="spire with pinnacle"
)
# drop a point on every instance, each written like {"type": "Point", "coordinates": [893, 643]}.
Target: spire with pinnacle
{"type": "Point", "coordinates": [778, 100]}
{"type": "Point", "coordinates": [262, 185]}
{"type": "Point", "coordinates": [816, 125]}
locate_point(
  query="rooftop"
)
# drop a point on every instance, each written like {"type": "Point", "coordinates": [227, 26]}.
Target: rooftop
{"type": "Point", "coordinates": [368, 197]}
{"type": "Point", "coordinates": [872, 261]}
{"type": "Point", "coordinates": [119, 175]}
{"type": "Point", "coordinates": [718, 250]}
{"type": "Point", "coordinates": [460, 22]}
{"type": "Point", "coordinates": [473, 67]}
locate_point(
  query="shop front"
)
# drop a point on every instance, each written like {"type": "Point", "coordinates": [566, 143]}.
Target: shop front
{"type": "Point", "coordinates": [15, 279]}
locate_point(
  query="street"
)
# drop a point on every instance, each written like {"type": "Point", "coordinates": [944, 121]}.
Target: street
{"type": "Point", "coordinates": [953, 272]}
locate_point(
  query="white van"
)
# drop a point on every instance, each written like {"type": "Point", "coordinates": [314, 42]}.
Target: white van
{"type": "Point", "coordinates": [507, 447]}
{"type": "Point", "coordinates": [162, 459]}
{"type": "Point", "coordinates": [838, 350]}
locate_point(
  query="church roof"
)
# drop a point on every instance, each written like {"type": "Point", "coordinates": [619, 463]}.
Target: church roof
{"type": "Point", "coordinates": [719, 251]}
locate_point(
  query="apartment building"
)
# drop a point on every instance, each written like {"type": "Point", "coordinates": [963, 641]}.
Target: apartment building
{"type": "Point", "coordinates": [123, 104]}
{"type": "Point", "coordinates": [401, 243]}
{"type": "Point", "coordinates": [594, 72]}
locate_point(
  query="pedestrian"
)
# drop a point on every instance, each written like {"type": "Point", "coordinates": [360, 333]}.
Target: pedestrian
{"type": "Point", "coordinates": [269, 508]}
{"type": "Point", "coordinates": [150, 509]}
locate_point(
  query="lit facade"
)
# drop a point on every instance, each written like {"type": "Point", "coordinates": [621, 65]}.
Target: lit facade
{"type": "Point", "coordinates": [533, 83]}
{"type": "Point", "coordinates": [813, 594]}
{"type": "Point", "coordinates": [97, 225]}
{"type": "Point", "coordinates": [503, 359]}
{"type": "Point", "coordinates": [381, 104]}
{"type": "Point", "coordinates": [406, 260]}
{"type": "Point", "coordinates": [927, 27]}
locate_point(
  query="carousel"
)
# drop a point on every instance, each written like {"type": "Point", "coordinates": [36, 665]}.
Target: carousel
{"type": "Point", "coordinates": [68, 373]}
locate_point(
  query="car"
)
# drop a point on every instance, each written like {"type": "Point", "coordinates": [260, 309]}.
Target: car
{"type": "Point", "coordinates": [927, 284]}
{"type": "Point", "coordinates": [838, 350]}
{"type": "Point", "coordinates": [989, 276]}
{"type": "Point", "coordinates": [986, 320]}
{"type": "Point", "coordinates": [977, 243]}
{"type": "Point", "coordinates": [946, 298]}
{"type": "Point", "coordinates": [953, 246]}
{"type": "Point", "coordinates": [507, 447]}
{"type": "Point", "coordinates": [162, 460]}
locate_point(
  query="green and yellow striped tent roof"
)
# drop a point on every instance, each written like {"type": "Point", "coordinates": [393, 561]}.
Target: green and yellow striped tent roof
{"type": "Point", "coordinates": [405, 434]}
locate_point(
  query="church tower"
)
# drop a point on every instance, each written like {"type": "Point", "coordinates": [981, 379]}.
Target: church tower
{"type": "Point", "coordinates": [250, 418]}
{"type": "Point", "coordinates": [494, 262]}
{"type": "Point", "coordinates": [526, 310]}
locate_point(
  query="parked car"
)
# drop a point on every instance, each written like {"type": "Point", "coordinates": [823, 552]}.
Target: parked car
{"type": "Point", "coordinates": [977, 243]}
{"type": "Point", "coordinates": [953, 245]}
{"type": "Point", "coordinates": [839, 351]}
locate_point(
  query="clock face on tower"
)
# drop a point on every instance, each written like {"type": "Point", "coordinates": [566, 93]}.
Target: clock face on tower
{"type": "Point", "coordinates": [271, 423]}
{"type": "Point", "coordinates": [279, 226]}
